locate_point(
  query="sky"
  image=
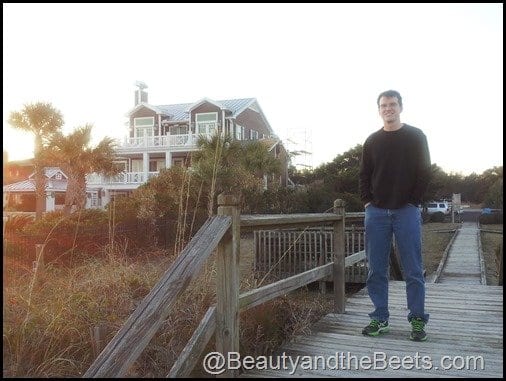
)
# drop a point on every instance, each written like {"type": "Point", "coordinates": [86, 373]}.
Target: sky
{"type": "Point", "coordinates": [315, 69]}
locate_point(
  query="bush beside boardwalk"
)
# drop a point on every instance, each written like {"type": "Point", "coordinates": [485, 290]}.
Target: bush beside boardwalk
{"type": "Point", "coordinates": [47, 319]}
{"type": "Point", "coordinates": [490, 245]}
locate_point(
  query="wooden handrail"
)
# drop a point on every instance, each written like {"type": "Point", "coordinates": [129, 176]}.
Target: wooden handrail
{"type": "Point", "coordinates": [141, 326]}
{"type": "Point", "coordinates": [256, 221]}
{"type": "Point", "coordinates": [350, 260]}
{"type": "Point", "coordinates": [222, 232]}
{"type": "Point", "coordinates": [268, 292]}
{"type": "Point", "coordinates": [193, 349]}
{"type": "Point", "coordinates": [252, 298]}
{"type": "Point", "coordinates": [191, 352]}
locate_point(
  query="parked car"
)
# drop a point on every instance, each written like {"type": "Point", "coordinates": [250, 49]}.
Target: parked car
{"type": "Point", "coordinates": [490, 211]}
{"type": "Point", "coordinates": [491, 216]}
{"type": "Point", "coordinates": [437, 206]}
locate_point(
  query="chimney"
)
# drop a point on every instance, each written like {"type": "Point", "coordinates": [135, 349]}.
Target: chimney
{"type": "Point", "coordinates": [140, 94]}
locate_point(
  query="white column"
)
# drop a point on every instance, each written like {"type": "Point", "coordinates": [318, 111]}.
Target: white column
{"type": "Point", "coordinates": [145, 165]}
{"type": "Point", "coordinates": [50, 201]}
{"type": "Point", "coordinates": [168, 159]}
{"type": "Point", "coordinates": [106, 198]}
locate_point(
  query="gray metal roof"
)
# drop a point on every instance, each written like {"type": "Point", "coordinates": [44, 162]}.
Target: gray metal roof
{"type": "Point", "coordinates": [49, 172]}
{"type": "Point", "coordinates": [179, 112]}
{"type": "Point", "coordinates": [27, 186]}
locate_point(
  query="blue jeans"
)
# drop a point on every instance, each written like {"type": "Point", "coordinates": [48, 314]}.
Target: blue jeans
{"type": "Point", "coordinates": [405, 224]}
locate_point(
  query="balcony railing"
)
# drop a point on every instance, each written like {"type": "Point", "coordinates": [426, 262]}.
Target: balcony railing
{"type": "Point", "coordinates": [122, 178]}
{"type": "Point", "coordinates": [186, 140]}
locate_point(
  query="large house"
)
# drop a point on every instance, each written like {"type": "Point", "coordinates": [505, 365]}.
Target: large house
{"type": "Point", "coordinates": [160, 136]}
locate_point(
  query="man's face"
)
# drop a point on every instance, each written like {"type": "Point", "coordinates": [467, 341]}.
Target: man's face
{"type": "Point", "coordinates": [389, 109]}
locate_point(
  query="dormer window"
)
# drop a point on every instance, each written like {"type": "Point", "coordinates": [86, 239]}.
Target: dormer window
{"type": "Point", "coordinates": [206, 123]}
{"type": "Point", "coordinates": [144, 126]}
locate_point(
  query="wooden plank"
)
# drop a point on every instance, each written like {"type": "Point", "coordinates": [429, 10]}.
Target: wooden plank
{"type": "Point", "coordinates": [483, 268]}
{"type": "Point", "coordinates": [491, 231]}
{"type": "Point", "coordinates": [191, 352]}
{"type": "Point", "coordinates": [435, 278]}
{"type": "Point", "coordinates": [263, 294]}
{"type": "Point", "coordinates": [458, 326]}
{"type": "Point", "coordinates": [249, 222]}
{"type": "Point", "coordinates": [491, 366]}
{"type": "Point", "coordinates": [354, 258]}
{"type": "Point", "coordinates": [141, 326]}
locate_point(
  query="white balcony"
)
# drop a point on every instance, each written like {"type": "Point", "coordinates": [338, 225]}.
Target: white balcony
{"type": "Point", "coordinates": [122, 178]}
{"type": "Point", "coordinates": [167, 141]}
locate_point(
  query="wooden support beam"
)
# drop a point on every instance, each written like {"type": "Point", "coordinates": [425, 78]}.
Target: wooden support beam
{"type": "Point", "coordinates": [338, 274]}
{"type": "Point", "coordinates": [227, 283]}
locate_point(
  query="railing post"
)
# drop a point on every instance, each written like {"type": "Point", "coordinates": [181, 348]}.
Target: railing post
{"type": "Point", "coordinates": [227, 283]}
{"type": "Point", "coordinates": [338, 268]}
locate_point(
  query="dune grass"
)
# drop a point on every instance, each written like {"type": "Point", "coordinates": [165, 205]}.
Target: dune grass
{"type": "Point", "coordinates": [49, 314]}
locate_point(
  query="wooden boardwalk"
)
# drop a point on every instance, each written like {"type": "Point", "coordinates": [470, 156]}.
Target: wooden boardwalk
{"type": "Point", "coordinates": [463, 262]}
{"type": "Point", "coordinates": [465, 330]}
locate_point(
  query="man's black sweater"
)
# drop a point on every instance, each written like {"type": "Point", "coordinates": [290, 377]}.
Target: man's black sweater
{"type": "Point", "coordinates": [395, 168]}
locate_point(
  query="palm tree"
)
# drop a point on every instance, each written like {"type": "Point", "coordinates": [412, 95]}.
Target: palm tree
{"type": "Point", "coordinates": [43, 120]}
{"type": "Point", "coordinates": [257, 159]}
{"type": "Point", "coordinates": [227, 165]}
{"type": "Point", "coordinates": [77, 159]}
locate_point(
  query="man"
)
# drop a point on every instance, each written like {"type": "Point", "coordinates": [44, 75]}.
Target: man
{"type": "Point", "coordinates": [394, 174]}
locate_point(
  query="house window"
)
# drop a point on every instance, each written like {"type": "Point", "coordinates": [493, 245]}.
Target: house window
{"type": "Point", "coordinates": [178, 130]}
{"type": "Point", "coordinates": [94, 200]}
{"type": "Point", "coordinates": [239, 132]}
{"type": "Point", "coordinates": [144, 122]}
{"type": "Point", "coordinates": [228, 128]}
{"type": "Point", "coordinates": [253, 135]}
{"type": "Point", "coordinates": [59, 198]}
{"type": "Point", "coordinates": [137, 165]}
{"type": "Point", "coordinates": [121, 165]}
{"type": "Point", "coordinates": [156, 165]}
{"type": "Point", "coordinates": [58, 176]}
{"type": "Point", "coordinates": [143, 127]}
{"type": "Point", "coordinates": [178, 161]}
{"type": "Point", "coordinates": [206, 123]}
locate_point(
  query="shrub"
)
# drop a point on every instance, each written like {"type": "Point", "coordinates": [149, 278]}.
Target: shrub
{"type": "Point", "coordinates": [82, 231]}
{"type": "Point", "coordinates": [494, 218]}
{"type": "Point", "coordinates": [437, 217]}
{"type": "Point", "coordinates": [17, 222]}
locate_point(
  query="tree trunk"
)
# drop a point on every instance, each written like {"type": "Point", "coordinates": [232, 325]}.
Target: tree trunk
{"type": "Point", "coordinates": [40, 192]}
{"type": "Point", "coordinates": [81, 193]}
{"type": "Point", "coordinates": [70, 194]}
{"type": "Point", "coordinates": [40, 180]}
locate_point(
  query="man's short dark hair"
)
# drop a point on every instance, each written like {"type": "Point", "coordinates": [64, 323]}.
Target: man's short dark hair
{"type": "Point", "coordinates": [390, 93]}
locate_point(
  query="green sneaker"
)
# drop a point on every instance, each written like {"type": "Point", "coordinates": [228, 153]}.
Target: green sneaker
{"type": "Point", "coordinates": [417, 330]}
{"type": "Point", "coordinates": [376, 327]}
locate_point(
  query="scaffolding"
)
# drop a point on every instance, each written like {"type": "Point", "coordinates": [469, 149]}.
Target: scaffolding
{"type": "Point", "coordinates": [300, 147]}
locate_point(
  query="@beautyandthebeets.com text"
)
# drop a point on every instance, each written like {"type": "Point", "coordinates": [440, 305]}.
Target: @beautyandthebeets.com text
{"type": "Point", "coordinates": [217, 363]}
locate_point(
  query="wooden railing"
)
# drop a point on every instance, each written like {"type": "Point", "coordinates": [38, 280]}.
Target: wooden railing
{"type": "Point", "coordinates": [222, 232]}
{"type": "Point", "coordinates": [280, 253]}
